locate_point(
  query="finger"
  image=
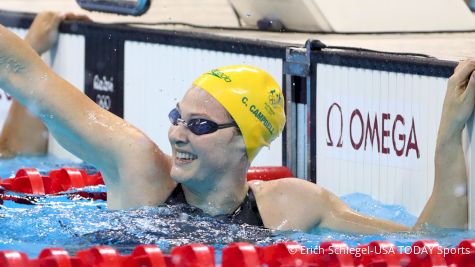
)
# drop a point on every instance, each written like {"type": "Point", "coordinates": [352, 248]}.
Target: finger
{"type": "Point", "coordinates": [471, 82]}
{"type": "Point", "coordinates": [79, 17]}
{"type": "Point", "coordinates": [470, 88]}
{"type": "Point", "coordinates": [84, 18]}
{"type": "Point", "coordinates": [463, 72]}
{"type": "Point", "coordinates": [462, 62]}
{"type": "Point", "coordinates": [56, 20]}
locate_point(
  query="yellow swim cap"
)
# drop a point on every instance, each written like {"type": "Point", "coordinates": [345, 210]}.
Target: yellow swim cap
{"type": "Point", "coordinates": [253, 99]}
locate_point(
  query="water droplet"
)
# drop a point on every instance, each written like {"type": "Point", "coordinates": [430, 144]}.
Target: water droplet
{"type": "Point", "coordinates": [184, 216]}
{"type": "Point", "coordinates": [460, 190]}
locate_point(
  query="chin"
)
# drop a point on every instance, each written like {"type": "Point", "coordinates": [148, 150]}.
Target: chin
{"type": "Point", "coordinates": [184, 172]}
{"type": "Point", "coordinates": [180, 174]}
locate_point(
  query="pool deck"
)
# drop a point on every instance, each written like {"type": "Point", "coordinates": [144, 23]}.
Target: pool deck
{"type": "Point", "coordinates": [445, 46]}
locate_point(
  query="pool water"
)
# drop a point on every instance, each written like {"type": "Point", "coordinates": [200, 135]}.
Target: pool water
{"type": "Point", "coordinates": [75, 224]}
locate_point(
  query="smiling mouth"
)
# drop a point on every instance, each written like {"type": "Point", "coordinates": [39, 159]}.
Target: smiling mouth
{"type": "Point", "coordinates": [184, 157]}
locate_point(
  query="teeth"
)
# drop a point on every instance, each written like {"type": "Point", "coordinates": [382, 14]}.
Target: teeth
{"type": "Point", "coordinates": [185, 156]}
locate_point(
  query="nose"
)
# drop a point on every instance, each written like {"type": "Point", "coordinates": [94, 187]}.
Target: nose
{"type": "Point", "coordinates": [178, 134]}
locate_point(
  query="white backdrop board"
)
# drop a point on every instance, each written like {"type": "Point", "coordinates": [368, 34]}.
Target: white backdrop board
{"type": "Point", "coordinates": [157, 76]}
{"type": "Point", "coordinates": [376, 133]}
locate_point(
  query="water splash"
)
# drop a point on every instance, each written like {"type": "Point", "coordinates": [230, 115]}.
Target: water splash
{"type": "Point", "coordinates": [80, 223]}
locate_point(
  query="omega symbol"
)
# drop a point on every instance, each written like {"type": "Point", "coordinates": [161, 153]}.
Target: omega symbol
{"type": "Point", "coordinates": [330, 140]}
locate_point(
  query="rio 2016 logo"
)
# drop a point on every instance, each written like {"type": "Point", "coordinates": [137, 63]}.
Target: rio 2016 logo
{"type": "Point", "coordinates": [104, 101]}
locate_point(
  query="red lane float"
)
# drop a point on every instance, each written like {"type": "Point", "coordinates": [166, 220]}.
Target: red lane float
{"type": "Point", "coordinates": [332, 253]}
{"type": "Point", "coordinates": [146, 256]}
{"type": "Point", "coordinates": [10, 258]}
{"type": "Point", "coordinates": [196, 255]}
{"type": "Point", "coordinates": [268, 173]}
{"type": "Point", "coordinates": [56, 257]}
{"type": "Point", "coordinates": [240, 255]}
{"type": "Point", "coordinates": [282, 254]}
{"type": "Point", "coordinates": [463, 256]}
{"type": "Point", "coordinates": [101, 256]}
{"type": "Point", "coordinates": [424, 253]}
{"type": "Point", "coordinates": [30, 181]}
{"type": "Point", "coordinates": [378, 253]}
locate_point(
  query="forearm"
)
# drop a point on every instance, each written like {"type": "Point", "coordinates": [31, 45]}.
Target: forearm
{"type": "Point", "coordinates": [448, 205]}
{"type": "Point", "coordinates": [79, 124]}
{"type": "Point", "coordinates": [23, 133]}
{"type": "Point", "coordinates": [20, 67]}
{"type": "Point", "coordinates": [338, 216]}
{"type": "Point", "coordinates": [348, 220]}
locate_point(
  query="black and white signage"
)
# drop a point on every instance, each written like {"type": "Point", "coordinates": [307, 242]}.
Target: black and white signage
{"type": "Point", "coordinates": [104, 72]}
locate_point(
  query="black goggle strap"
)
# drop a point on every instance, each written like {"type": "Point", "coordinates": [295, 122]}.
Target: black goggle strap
{"type": "Point", "coordinates": [227, 125]}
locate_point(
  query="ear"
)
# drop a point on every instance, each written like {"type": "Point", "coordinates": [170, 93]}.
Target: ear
{"type": "Point", "coordinates": [238, 143]}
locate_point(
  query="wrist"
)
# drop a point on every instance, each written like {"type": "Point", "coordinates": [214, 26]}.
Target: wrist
{"type": "Point", "coordinates": [32, 44]}
{"type": "Point", "coordinates": [447, 140]}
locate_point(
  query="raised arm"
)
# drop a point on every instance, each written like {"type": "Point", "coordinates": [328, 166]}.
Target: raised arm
{"type": "Point", "coordinates": [123, 153]}
{"type": "Point", "coordinates": [23, 133]}
{"type": "Point", "coordinates": [448, 204]}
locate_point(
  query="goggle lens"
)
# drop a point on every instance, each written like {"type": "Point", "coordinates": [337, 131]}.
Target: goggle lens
{"type": "Point", "coordinates": [197, 126]}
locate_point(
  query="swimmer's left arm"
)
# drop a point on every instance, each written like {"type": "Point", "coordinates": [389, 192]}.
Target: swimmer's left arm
{"type": "Point", "coordinates": [119, 150]}
{"type": "Point", "coordinates": [23, 133]}
{"type": "Point", "coordinates": [293, 203]}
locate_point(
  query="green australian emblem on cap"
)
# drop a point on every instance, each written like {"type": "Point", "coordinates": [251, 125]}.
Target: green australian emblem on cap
{"type": "Point", "coordinates": [275, 98]}
{"type": "Point", "coordinates": [220, 75]}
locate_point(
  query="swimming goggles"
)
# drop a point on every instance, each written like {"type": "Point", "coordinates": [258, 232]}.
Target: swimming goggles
{"type": "Point", "coordinates": [198, 126]}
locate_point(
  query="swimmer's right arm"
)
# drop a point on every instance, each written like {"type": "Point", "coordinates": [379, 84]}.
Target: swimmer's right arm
{"type": "Point", "coordinates": [448, 204]}
{"type": "Point", "coordinates": [293, 203]}
{"type": "Point", "coordinates": [135, 170]}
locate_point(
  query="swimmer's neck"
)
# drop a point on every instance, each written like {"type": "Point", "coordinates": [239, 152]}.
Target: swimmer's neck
{"type": "Point", "coordinates": [224, 197]}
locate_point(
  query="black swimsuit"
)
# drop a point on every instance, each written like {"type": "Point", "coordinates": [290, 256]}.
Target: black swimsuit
{"type": "Point", "coordinates": [247, 212]}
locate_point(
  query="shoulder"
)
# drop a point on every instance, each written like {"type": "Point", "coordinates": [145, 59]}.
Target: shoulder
{"type": "Point", "coordinates": [290, 203]}
{"type": "Point", "coordinates": [143, 171]}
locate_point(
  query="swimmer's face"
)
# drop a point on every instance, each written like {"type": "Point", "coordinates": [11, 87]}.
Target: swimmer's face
{"type": "Point", "coordinates": [203, 157]}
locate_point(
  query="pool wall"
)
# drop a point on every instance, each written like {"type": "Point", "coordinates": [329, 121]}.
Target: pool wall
{"type": "Point", "coordinates": [358, 121]}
